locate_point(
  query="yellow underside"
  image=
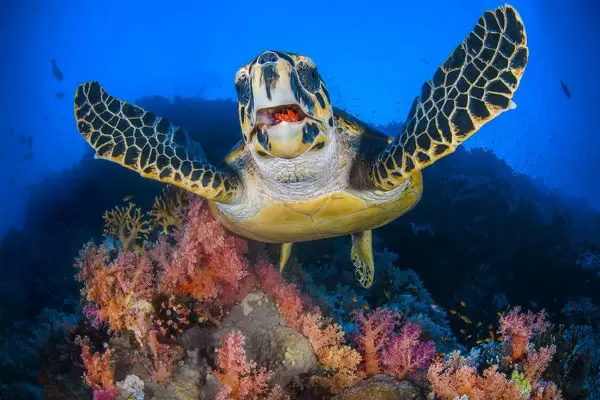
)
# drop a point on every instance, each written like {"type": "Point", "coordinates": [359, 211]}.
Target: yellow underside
{"type": "Point", "coordinates": [336, 214]}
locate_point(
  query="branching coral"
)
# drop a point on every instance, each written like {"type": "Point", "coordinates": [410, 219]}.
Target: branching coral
{"type": "Point", "coordinates": [453, 381]}
{"type": "Point", "coordinates": [127, 225]}
{"type": "Point", "coordinates": [406, 352]}
{"type": "Point", "coordinates": [517, 328]}
{"type": "Point", "coordinates": [99, 373]}
{"type": "Point", "coordinates": [242, 379]}
{"type": "Point", "coordinates": [457, 376]}
{"type": "Point", "coordinates": [385, 349]}
{"type": "Point", "coordinates": [374, 331]}
{"type": "Point", "coordinates": [121, 290]}
{"type": "Point", "coordinates": [168, 210]}
{"type": "Point", "coordinates": [164, 357]}
{"type": "Point", "coordinates": [207, 260]}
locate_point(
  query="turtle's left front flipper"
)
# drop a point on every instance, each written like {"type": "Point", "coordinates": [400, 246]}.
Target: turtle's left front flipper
{"type": "Point", "coordinates": [473, 86]}
{"type": "Point", "coordinates": [150, 145]}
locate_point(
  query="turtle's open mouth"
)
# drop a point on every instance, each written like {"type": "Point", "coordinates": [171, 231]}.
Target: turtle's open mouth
{"type": "Point", "coordinates": [274, 115]}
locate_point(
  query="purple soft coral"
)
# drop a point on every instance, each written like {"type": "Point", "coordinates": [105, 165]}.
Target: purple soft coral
{"type": "Point", "coordinates": [406, 353]}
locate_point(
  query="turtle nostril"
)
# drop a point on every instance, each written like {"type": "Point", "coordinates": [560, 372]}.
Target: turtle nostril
{"type": "Point", "coordinates": [267, 56]}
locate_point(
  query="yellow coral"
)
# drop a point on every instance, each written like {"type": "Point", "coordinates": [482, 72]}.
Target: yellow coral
{"type": "Point", "coordinates": [343, 362]}
{"type": "Point", "coordinates": [167, 209]}
{"type": "Point", "coordinates": [127, 225]}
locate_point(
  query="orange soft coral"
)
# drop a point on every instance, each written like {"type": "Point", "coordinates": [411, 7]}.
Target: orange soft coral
{"type": "Point", "coordinates": [121, 290]}
{"type": "Point", "coordinates": [99, 373]}
{"type": "Point", "coordinates": [453, 381]}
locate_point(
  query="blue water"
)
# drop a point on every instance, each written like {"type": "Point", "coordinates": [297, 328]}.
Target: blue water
{"type": "Point", "coordinates": [374, 58]}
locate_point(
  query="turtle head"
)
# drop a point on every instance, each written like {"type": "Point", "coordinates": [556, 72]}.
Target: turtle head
{"type": "Point", "coordinates": [283, 105]}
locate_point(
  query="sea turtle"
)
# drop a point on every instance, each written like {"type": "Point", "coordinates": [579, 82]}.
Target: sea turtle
{"type": "Point", "coordinates": [303, 169]}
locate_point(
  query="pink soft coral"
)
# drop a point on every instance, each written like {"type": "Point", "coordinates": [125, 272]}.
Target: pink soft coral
{"type": "Point", "coordinates": [374, 330]}
{"type": "Point", "coordinates": [406, 352]}
{"type": "Point", "coordinates": [518, 328]}
{"type": "Point", "coordinates": [242, 379]}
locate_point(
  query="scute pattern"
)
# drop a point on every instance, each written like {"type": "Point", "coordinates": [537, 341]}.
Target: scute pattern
{"type": "Point", "coordinates": [139, 140]}
{"type": "Point", "coordinates": [473, 86]}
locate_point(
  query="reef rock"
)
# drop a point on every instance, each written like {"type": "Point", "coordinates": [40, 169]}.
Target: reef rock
{"type": "Point", "coordinates": [268, 341]}
{"type": "Point", "coordinates": [382, 387]}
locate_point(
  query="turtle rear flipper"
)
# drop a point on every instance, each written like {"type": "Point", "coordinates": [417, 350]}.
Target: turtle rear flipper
{"type": "Point", "coordinates": [362, 257]}
{"type": "Point", "coordinates": [150, 145]}
{"type": "Point", "coordinates": [473, 86]}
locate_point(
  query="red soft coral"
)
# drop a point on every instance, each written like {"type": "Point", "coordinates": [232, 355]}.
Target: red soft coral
{"type": "Point", "coordinates": [290, 302]}
{"type": "Point", "coordinates": [242, 379]}
{"type": "Point", "coordinates": [406, 353]}
{"type": "Point", "coordinates": [164, 357]}
{"type": "Point", "coordinates": [374, 330]}
{"type": "Point", "coordinates": [207, 262]}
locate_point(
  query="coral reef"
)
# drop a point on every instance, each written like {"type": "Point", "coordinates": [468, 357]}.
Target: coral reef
{"type": "Point", "coordinates": [162, 303]}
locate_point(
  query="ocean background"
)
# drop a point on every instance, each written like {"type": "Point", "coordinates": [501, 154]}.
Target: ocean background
{"type": "Point", "coordinates": [373, 57]}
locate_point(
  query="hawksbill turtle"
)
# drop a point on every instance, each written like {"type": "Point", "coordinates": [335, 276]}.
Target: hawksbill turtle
{"type": "Point", "coordinates": [304, 170]}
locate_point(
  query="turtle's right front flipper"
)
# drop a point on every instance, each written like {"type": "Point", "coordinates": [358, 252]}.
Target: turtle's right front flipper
{"type": "Point", "coordinates": [150, 145]}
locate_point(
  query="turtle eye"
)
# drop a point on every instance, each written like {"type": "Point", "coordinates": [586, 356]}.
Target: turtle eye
{"type": "Point", "coordinates": [242, 88]}
{"type": "Point", "coordinates": [309, 77]}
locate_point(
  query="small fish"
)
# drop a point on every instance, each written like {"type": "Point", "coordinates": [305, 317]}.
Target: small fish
{"type": "Point", "coordinates": [463, 331]}
{"type": "Point", "coordinates": [56, 71]}
{"type": "Point", "coordinates": [26, 157]}
{"type": "Point", "coordinates": [478, 324]}
{"type": "Point", "coordinates": [453, 312]}
{"type": "Point", "coordinates": [60, 95]}
{"type": "Point", "coordinates": [417, 228]}
{"type": "Point", "coordinates": [462, 303]}
{"type": "Point", "coordinates": [534, 304]}
{"type": "Point", "coordinates": [444, 339]}
{"type": "Point", "coordinates": [466, 319]}
{"type": "Point", "coordinates": [492, 335]}
{"type": "Point", "coordinates": [490, 326]}
{"type": "Point", "coordinates": [424, 61]}
{"type": "Point", "coordinates": [127, 197]}
{"type": "Point", "coordinates": [489, 340]}
{"type": "Point", "coordinates": [365, 306]}
{"type": "Point", "coordinates": [12, 131]}
{"type": "Point", "coordinates": [436, 308]}
{"type": "Point", "coordinates": [387, 294]}
{"type": "Point", "coordinates": [468, 337]}
{"type": "Point", "coordinates": [11, 181]}
{"type": "Point", "coordinates": [479, 341]}
{"type": "Point", "coordinates": [565, 89]}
